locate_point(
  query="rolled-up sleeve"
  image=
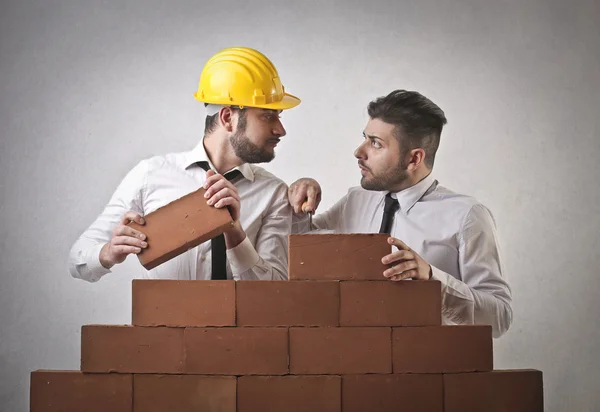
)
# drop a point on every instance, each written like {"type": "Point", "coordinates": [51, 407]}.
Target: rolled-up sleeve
{"type": "Point", "coordinates": [482, 295]}
{"type": "Point", "coordinates": [267, 258]}
{"type": "Point", "coordinates": [84, 257]}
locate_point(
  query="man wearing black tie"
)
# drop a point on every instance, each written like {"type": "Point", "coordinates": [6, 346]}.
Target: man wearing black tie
{"type": "Point", "coordinates": [438, 234]}
{"type": "Point", "coordinates": [243, 98]}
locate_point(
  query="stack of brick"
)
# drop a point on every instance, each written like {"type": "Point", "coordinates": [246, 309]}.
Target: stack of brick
{"type": "Point", "coordinates": [335, 337]}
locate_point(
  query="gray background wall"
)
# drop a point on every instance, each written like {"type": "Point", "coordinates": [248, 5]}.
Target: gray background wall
{"type": "Point", "coordinates": [88, 88]}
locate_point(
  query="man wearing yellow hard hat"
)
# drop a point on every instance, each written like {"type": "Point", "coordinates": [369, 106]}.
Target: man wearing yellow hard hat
{"type": "Point", "coordinates": [243, 97]}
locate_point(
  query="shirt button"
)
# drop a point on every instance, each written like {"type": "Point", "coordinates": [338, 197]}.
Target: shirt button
{"type": "Point", "coordinates": [203, 258]}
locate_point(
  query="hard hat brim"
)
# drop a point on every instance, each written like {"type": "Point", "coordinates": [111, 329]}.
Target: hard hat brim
{"type": "Point", "coordinates": [289, 101]}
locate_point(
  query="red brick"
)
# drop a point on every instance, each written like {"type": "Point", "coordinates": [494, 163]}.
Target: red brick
{"type": "Point", "coordinates": [174, 393]}
{"type": "Point", "coordinates": [183, 302]}
{"type": "Point", "coordinates": [289, 393]}
{"type": "Point", "coordinates": [387, 303]}
{"type": "Point", "coordinates": [436, 349]}
{"type": "Point", "coordinates": [392, 393]}
{"type": "Point", "coordinates": [277, 303]}
{"type": "Point", "coordinates": [133, 349]}
{"type": "Point", "coordinates": [340, 350]}
{"type": "Point", "coordinates": [236, 351]}
{"type": "Point", "coordinates": [497, 391]}
{"type": "Point", "coordinates": [74, 391]}
{"type": "Point", "coordinates": [337, 256]}
{"type": "Point", "coordinates": [179, 226]}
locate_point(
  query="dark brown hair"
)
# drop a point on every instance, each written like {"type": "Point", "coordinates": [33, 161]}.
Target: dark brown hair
{"type": "Point", "coordinates": [418, 120]}
{"type": "Point", "coordinates": [211, 121]}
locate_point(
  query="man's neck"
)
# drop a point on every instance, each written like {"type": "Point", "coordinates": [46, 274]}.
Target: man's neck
{"type": "Point", "coordinates": [411, 180]}
{"type": "Point", "coordinates": [220, 153]}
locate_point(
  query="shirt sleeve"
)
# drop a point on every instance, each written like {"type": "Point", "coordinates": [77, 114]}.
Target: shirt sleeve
{"type": "Point", "coordinates": [482, 295]}
{"type": "Point", "coordinates": [84, 257]}
{"type": "Point", "coordinates": [267, 259]}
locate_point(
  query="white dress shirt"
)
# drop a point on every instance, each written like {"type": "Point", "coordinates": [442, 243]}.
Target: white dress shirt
{"type": "Point", "coordinates": [454, 233]}
{"type": "Point", "coordinates": [266, 217]}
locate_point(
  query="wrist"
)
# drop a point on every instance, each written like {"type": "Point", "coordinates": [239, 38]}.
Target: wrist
{"type": "Point", "coordinates": [234, 236]}
{"type": "Point", "coordinates": [104, 261]}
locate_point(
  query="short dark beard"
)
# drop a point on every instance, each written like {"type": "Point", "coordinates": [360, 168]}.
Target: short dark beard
{"type": "Point", "coordinates": [390, 179]}
{"type": "Point", "coordinates": [244, 148]}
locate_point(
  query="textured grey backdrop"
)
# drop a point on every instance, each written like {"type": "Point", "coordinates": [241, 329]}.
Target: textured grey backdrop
{"type": "Point", "coordinates": [88, 88]}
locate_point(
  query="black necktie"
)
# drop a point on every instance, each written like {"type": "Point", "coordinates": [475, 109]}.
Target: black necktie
{"type": "Point", "coordinates": [390, 208]}
{"type": "Point", "coordinates": [217, 244]}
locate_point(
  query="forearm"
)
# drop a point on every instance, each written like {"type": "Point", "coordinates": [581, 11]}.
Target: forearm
{"type": "Point", "coordinates": [247, 264]}
{"type": "Point", "coordinates": [84, 259]}
{"type": "Point", "coordinates": [463, 304]}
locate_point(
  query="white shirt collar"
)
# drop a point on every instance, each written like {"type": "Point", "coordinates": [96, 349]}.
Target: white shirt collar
{"type": "Point", "coordinates": [408, 197]}
{"type": "Point", "coordinates": [198, 154]}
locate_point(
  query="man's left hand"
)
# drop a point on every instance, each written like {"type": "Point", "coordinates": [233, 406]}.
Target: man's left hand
{"type": "Point", "coordinates": [221, 193]}
{"type": "Point", "coordinates": [407, 264]}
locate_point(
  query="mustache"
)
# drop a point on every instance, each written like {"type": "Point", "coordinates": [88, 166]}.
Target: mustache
{"type": "Point", "coordinates": [361, 164]}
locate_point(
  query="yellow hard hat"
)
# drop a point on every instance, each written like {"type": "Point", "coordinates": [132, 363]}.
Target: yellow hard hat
{"type": "Point", "coordinates": [240, 76]}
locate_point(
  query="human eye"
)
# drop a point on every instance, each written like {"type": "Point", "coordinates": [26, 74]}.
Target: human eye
{"type": "Point", "coordinates": [271, 116]}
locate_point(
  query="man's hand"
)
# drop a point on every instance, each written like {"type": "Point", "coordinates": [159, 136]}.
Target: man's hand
{"type": "Point", "coordinates": [125, 241]}
{"type": "Point", "coordinates": [220, 193]}
{"type": "Point", "coordinates": [407, 264]}
{"type": "Point", "coordinates": [304, 190]}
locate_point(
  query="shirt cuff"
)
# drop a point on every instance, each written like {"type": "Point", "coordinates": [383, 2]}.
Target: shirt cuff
{"type": "Point", "coordinates": [94, 267]}
{"type": "Point", "coordinates": [439, 275]}
{"type": "Point", "coordinates": [242, 257]}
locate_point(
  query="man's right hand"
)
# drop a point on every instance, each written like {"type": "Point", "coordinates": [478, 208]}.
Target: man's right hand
{"type": "Point", "coordinates": [125, 241]}
{"type": "Point", "coordinates": [304, 190]}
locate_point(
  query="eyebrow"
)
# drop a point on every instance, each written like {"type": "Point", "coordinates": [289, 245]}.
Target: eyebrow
{"type": "Point", "coordinates": [271, 111]}
{"type": "Point", "coordinates": [372, 137]}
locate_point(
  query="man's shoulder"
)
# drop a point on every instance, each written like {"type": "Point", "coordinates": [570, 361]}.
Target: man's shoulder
{"type": "Point", "coordinates": [458, 203]}
{"type": "Point", "coordinates": [263, 176]}
{"type": "Point", "coordinates": [357, 192]}
{"type": "Point", "coordinates": [174, 160]}
{"type": "Point", "coordinates": [444, 194]}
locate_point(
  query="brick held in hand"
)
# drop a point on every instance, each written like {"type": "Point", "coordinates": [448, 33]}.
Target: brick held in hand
{"type": "Point", "coordinates": [337, 256]}
{"type": "Point", "coordinates": [496, 391]}
{"type": "Point", "coordinates": [179, 226]}
{"type": "Point", "coordinates": [160, 302]}
{"type": "Point", "coordinates": [74, 391]}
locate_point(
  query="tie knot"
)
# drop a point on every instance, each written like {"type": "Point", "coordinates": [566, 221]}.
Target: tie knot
{"type": "Point", "coordinates": [232, 174]}
{"type": "Point", "coordinates": [391, 204]}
